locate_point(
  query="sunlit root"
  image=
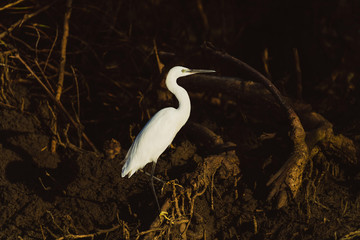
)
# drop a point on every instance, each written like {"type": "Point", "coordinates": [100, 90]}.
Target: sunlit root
{"type": "Point", "coordinates": [320, 132]}
{"type": "Point", "coordinates": [290, 174]}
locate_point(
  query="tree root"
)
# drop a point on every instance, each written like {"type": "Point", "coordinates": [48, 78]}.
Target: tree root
{"type": "Point", "coordinates": [180, 207]}
{"type": "Point", "coordinates": [320, 133]}
{"type": "Point", "coordinates": [288, 178]}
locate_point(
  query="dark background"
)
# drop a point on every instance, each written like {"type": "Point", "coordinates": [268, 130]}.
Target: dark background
{"type": "Point", "coordinates": [111, 47]}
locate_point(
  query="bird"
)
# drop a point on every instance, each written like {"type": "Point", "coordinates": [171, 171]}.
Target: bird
{"type": "Point", "coordinates": [161, 129]}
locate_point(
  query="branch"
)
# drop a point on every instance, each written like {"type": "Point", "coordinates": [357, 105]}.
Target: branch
{"type": "Point", "coordinates": [62, 65]}
{"type": "Point", "coordinates": [63, 50]}
{"type": "Point", "coordinates": [11, 5]}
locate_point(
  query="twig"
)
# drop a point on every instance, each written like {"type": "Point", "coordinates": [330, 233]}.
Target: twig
{"type": "Point", "coordinates": [51, 49]}
{"type": "Point", "coordinates": [351, 235]}
{"type": "Point", "coordinates": [24, 19]}
{"type": "Point", "coordinates": [298, 74]}
{"type": "Point", "coordinates": [11, 5]}
{"type": "Point", "coordinates": [266, 62]}
{"type": "Point", "coordinates": [43, 70]}
{"type": "Point", "coordinates": [78, 105]}
{"type": "Point", "coordinates": [7, 105]}
{"type": "Point", "coordinates": [63, 50]}
{"type": "Point", "coordinates": [90, 235]}
{"type": "Point", "coordinates": [44, 75]}
{"type": "Point", "coordinates": [37, 62]}
{"type": "Point", "coordinates": [155, 226]}
{"type": "Point", "coordinates": [159, 63]}
{"type": "Point", "coordinates": [58, 103]}
{"type": "Point", "coordinates": [203, 15]}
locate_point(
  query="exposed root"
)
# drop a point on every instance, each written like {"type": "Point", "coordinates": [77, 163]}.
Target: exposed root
{"type": "Point", "coordinates": [319, 134]}
{"type": "Point", "coordinates": [180, 208]}
{"type": "Point", "coordinates": [66, 230]}
{"type": "Point", "coordinates": [290, 175]}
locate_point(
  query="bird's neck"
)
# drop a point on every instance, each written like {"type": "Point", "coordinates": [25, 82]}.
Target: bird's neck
{"type": "Point", "coordinates": [183, 99]}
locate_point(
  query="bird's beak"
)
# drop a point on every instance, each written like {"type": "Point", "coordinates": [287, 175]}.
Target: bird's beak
{"type": "Point", "coordinates": [194, 71]}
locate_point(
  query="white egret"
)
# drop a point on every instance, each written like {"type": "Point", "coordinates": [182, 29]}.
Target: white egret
{"type": "Point", "coordinates": [162, 128]}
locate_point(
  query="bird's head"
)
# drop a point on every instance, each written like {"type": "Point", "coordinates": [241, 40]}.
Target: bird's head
{"type": "Point", "coordinates": [179, 71]}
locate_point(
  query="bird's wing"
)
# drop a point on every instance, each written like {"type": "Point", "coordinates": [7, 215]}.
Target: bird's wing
{"type": "Point", "coordinates": [152, 141]}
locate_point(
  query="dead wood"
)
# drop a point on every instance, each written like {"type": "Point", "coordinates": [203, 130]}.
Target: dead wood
{"type": "Point", "coordinates": [289, 176]}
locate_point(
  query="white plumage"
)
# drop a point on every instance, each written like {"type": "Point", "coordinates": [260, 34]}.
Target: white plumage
{"type": "Point", "coordinates": [162, 128]}
{"type": "Point", "coordinates": [153, 140]}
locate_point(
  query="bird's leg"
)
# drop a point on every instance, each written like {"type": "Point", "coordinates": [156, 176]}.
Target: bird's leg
{"type": "Point", "coordinates": [149, 174]}
{"type": "Point", "coordinates": [152, 184]}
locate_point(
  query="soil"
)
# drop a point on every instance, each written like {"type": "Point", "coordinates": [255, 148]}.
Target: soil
{"type": "Point", "coordinates": [77, 191]}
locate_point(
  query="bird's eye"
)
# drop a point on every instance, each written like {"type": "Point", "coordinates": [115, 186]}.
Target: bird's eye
{"type": "Point", "coordinates": [183, 70]}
